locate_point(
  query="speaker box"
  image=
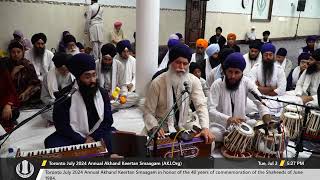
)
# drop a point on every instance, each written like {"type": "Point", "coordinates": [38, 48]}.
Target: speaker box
{"type": "Point", "coordinates": [301, 5]}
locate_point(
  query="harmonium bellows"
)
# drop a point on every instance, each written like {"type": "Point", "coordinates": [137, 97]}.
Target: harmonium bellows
{"type": "Point", "coordinates": [80, 150]}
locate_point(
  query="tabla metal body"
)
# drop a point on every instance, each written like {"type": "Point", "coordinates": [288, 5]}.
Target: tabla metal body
{"type": "Point", "coordinates": [293, 123]}
{"type": "Point", "coordinates": [269, 146]}
{"type": "Point", "coordinates": [238, 142]}
{"type": "Point", "coordinates": [313, 125]}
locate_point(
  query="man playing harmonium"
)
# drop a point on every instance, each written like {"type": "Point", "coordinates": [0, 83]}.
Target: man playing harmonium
{"type": "Point", "coordinates": [85, 117]}
{"type": "Point", "coordinates": [166, 89]}
{"type": "Point", "coordinates": [228, 97]}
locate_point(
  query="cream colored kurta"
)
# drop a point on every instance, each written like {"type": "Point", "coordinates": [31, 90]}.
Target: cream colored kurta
{"type": "Point", "coordinates": [156, 108]}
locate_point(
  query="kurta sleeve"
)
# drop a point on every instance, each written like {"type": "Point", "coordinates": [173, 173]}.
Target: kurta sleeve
{"type": "Point", "coordinates": [200, 103]}
{"type": "Point", "coordinates": [214, 99]}
{"type": "Point", "coordinates": [150, 106]}
{"type": "Point", "coordinates": [282, 83]}
{"type": "Point", "coordinates": [299, 87]}
{"type": "Point", "coordinates": [263, 110]}
{"type": "Point", "coordinates": [45, 95]}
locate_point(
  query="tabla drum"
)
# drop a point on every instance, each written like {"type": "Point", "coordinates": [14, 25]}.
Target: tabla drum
{"type": "Point", "coordinates": [313, 125]}
{"type": "Point", "coordinates": [293, 123]}
{"type": "Point", "coordinates": [238, 142]}
{"type": "Point", "coordinates": [271, 145]}
{"type": "Point", "coordinates": [291, 108]}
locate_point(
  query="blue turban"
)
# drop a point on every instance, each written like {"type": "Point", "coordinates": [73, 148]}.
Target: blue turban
{"type": "Point", "coordinates": [213, 48]}
{"type": "Point", "coordinates": [173, 42]}
{"type": "Point", "coordinates": [268, 47]}
{"type": "Point", "coordinates": [235, 60]}
{"type": "Point", "coordinates": [81, 63]}
{"type": "Point", "coordinates": [60, 59]}
{"type": "Point", "coordinates": [311, 38]}
{"type": "Point", "coordinates": [282, 52]}
{"type": "Point", "coordinates": [121, 45]}
{"type": "Point", "coordinates": [180, 50]}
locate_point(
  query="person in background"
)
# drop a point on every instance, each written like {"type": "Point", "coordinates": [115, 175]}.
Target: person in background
{"type": "Point", "coordinates": [265, 38]}
{"type": "Point", "coordinates": [94, 26]}
{"type": "Point", "coordinates": [18, 36]}
{"type": "Point", "coordinates": [61, 47]}
{"type": "Point", "coordinates": [231, 42]}
{"type": "Point", "coordinates": [303, 63]}
{"type": "Point", "coordinates": [70, 44]}
{"type": "Point", "coordinates": [251, 35]}
{"type": "Point", "coordinates": [310, 47]}
{"type": "Point", "coordinates": [218, 38]}
{"type": "Point", "coordinates": [81, 47]}
{"type": "Point", "coordinates": [285, 63]}
{"type": "Point", "coordinates": [117, 34]}
{"type": "Point", "coordinates": [200, 55]}
{"type": "Point", "coordinates": [194, 69]}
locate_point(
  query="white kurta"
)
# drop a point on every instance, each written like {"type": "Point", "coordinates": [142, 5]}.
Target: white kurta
{"type": "Point", "coordinates": [193, 57]}
{"type": "Point", "coordinates": [156, 104]}
{"type": "Point", "coordinates": [214, 74]}
{"type": "Point", "coordinates": [116, 77]}
{"type": "Point", "coordinates": [95, 25]}
{"type": "Point", "coordinates": [295, 75]}
{"type": "Point", "coordinates": [277, 80]}
{"type": "Point", "coordinates": [250, 63]}
{"type": "Point", "coordinates": [286, 66]}
{"type": "Point", "coordinates": [129, 70]}
{"type": "Point", "coordinates": [308, 83]}
{"type": "Point", "coordinates": [42, 66]}
{"type": "Point", "coordinates": [220, 106]}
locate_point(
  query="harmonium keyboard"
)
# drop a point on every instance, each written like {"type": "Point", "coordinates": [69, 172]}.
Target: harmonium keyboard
{"type": "Point", "coordinates": [81, 150]}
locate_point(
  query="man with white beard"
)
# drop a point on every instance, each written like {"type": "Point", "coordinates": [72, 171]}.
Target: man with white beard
{"type": "Point", "coordinates": [70, 44]}
{"type": "Point", "coordinates": [167, 88]}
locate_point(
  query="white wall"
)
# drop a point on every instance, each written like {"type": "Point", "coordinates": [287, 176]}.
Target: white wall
{"type": "Point", "coordinates": [52, 19]}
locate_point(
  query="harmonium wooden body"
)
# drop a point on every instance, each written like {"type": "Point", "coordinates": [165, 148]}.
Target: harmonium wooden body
{"type": "Point", "coordinates": [131, 145]}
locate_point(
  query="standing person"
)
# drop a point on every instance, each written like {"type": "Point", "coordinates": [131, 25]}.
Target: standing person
{"type": "Point", "coordinates": [94, 26]}
{"type": "Point", "coordinates": [218, 38]}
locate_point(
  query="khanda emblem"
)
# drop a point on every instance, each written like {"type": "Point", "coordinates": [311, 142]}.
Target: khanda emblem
{"type": "Point", "coordinates": [261, 5]}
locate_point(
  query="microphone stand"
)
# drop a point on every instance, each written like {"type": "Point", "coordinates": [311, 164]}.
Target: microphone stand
{"type": "Point", "coordinates": [44, 109]}
{"type": "Point", "coordinates": [299, 142]}
{"type": "Point", "coordinates": [154, 136]}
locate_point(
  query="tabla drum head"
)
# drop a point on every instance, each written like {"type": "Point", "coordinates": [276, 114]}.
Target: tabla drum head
{"type": "Point", "coordinates": [317, 113]}
{"type": "Point", "coordinates": [293, 108]}
{"type": "Point", "coordinates": [244, 128]}
{"type": "Point", "coordinates": [292, 115]}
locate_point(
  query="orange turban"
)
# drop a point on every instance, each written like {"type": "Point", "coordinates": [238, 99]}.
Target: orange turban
{"type": "Point", "coordinates": [231, 36]}
{"type": "Point", "coordinates": [202, 43]}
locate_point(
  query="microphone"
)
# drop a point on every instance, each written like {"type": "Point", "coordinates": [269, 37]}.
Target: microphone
{"type": "Point", "coordinates": [186, 87]}
{"type": "Point", "coordinates": [257, 97]}
{"type": "Point", "coordinates": [72, 91]}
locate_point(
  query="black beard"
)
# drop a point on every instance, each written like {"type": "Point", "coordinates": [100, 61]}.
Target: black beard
{"type": "Point", "coordinates": [251, 58]}
{"type": "Point", "coordinates": [214, 62]}
{"type": "Point", "coordinates": [88, 92]}
{"type": "Point", "coordinates": [38, 52]}
{"type": "Point", "coordinates": [232, 87]}
{"type": "Point", "coordinates": [267, 69]}
{"type": "Point", "coordinates": [312, 69]}
{"type": "Point", "coordinates": [106, 67]}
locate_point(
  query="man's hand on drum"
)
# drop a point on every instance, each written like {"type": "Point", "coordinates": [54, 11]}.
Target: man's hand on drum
{"type": "Point", "coordinates": [235, 120]}
{"type": "Point", "coordinates": [207, 135]}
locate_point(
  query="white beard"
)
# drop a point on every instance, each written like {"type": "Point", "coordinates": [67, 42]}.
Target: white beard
{"type": "Point", "coordinates": [177, 79]}
{"type": "Point", "coordinates": [73, 51]}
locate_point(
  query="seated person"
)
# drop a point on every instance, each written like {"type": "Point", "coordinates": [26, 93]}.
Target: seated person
{"type": "Point", "coordinates": [285, 63]}
{"type": "Point", "coordinates": [57, 78]}
{"type": "Point", "coordinates": [195, 69]}
{"type": "Point", "coordinates": [228, 97]}
{"type": "Point", "coordinates": [303, 63]}
{"type": "Point", "coordinates": [166, 88]}
{"type": "Point", "coordinates": [9, 103]}
{"type": "Point", "coordinates": [85, 117]}
{"type": "Point", "coordinates": [23, 74]}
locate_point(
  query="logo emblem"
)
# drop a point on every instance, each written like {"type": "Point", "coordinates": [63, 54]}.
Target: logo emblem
{"type": "Point", "coordinates": [25, 169]}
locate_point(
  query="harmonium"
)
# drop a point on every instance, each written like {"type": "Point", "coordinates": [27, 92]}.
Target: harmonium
{"type": "Point", "coordinates": [131, 145]}
{"type": "Point", "coordinates": [80, 151]}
